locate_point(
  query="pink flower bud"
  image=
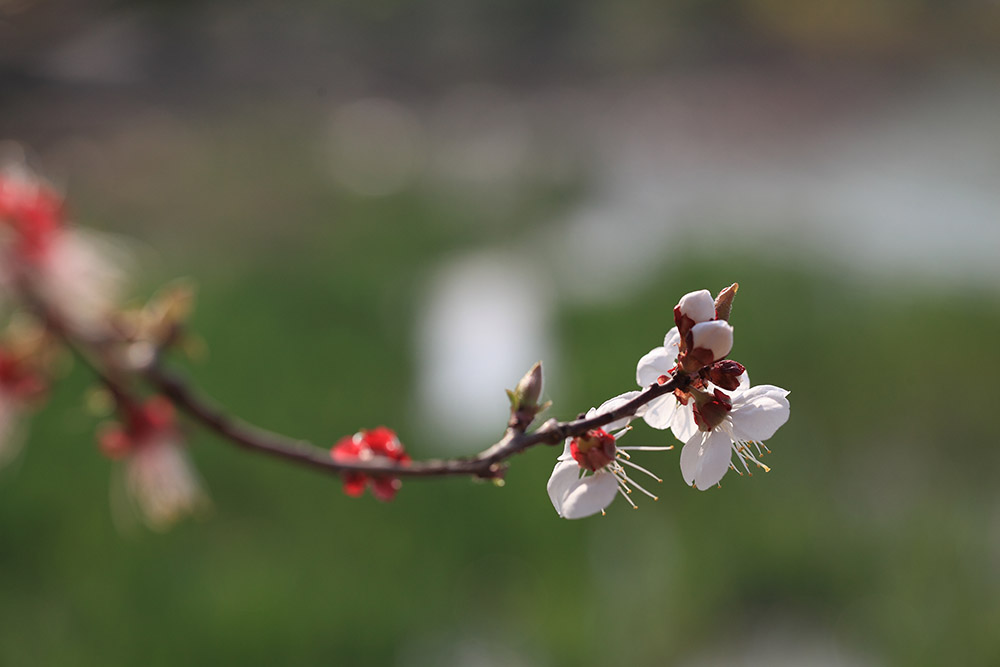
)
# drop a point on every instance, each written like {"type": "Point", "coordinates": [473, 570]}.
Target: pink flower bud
{"type": "Point", "coordinates": [378, 444]}
{"type": "Point", "coordinates": [715, 336]}
{"type": "Point", "coordinates": [698, 306]}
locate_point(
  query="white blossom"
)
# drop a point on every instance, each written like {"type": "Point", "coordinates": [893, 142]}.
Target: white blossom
{"type": "Point", "coordinates": [576, 491]}
{"type": "Point", "coordinates": [82, 276]}
{"type": "Point", "coordinates": [162, 482]}
{"type": "Point", "coordinates": [757, 412]}
{"type": "Point", "coordinates": [665, 412]}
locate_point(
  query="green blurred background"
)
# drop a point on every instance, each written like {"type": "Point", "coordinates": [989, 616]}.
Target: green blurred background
{"type": "Point", "coordinates": [393, 208]}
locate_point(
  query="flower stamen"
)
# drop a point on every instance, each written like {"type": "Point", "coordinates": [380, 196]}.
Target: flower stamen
{"type": "Point", "coordinates": [641, 469]}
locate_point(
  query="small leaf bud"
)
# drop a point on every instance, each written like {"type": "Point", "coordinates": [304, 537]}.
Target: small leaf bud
{"type": "Point", "coordinates": [529, 389]}
{"type": "Point", "coordinates": [524, 399]}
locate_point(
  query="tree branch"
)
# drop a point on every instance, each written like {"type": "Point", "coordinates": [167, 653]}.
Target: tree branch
{"type": "Point", "coordinates": [488, 464]}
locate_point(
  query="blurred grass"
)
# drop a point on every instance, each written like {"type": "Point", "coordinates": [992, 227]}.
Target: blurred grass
{"type": "Point", "coordinates": [877, 525]}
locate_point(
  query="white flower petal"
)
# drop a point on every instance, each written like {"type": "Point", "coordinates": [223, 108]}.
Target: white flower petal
{"type": "Point", "coordinates": [163, 482]}
{"type": "Point", "coordinates": [660, 411]}
{"type": "Point", "coordinates": [564, 477]}
{"type": "Point", "coordinates": [589, 496]}
{"type": "Point", "coordinates": [612, 404]}
{"type": "Point", "coordinates": [758, 412]}
{"type": "Point", "coordinates": [744, 382]}
{"type": "Point", "coordinates": [683, 424]}
{"type": "Point", "coordinates": [690, 455]}
{"type": "Point", "coordinates": [653, 364]}
{"type": "Point", "coordinates": [672, 343]}
{"type": "Point", "coordinates": [83, 276]}
{"type": "Point", "coordinates": [705, 459]}
{"type": "Point", "coordinates": [566, 455]}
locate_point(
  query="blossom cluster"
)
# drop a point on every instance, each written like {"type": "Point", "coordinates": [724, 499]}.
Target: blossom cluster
{"type": "Point", "coordinates": [76, 280]}
{"type": "Point", "coordinates": [714, 411]}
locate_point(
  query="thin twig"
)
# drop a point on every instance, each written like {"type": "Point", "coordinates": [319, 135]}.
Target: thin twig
{"type": "Point", "coordinates": [488, 464]}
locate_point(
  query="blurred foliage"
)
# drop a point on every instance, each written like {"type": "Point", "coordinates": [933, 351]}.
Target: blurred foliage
{"type": "Point", "coordinates": [877, 525]}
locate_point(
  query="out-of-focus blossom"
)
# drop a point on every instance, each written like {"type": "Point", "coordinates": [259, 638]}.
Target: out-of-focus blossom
{"type": "Point", "coordinates": [158, 475]}
{"type": "Point", "coordinates": [77, 274]}
{"type": "Point", "coordinates": [377, 445]}
{"type": "Point", "coordinates": [591, 470]}
{"type": "Point", "coordinates": [23, 384]}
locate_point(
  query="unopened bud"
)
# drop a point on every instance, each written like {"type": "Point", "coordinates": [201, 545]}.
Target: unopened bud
{"type": "Point", "coordinates": [529, 389]}
{"type": "Point", "coordinates": [726, 374]}
{"type": "Point", "coordinates": [114, 442]}
{"type": "Point", "coordinates": [724, 302]}
{"type": "Point", "coordinates": [715, 336]}
{"type": "Point", "coordinates": [698, 306]}
{"type": "Point", "coordinates": [693, 308]}
{"type": "Point", "coordinates": [524, 399]}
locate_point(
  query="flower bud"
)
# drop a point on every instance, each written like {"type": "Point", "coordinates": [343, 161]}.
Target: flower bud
{"type": "Point", "coordinates": [114, 442]}
{"type": "Point", "coordinates": [726, 374]}
{"type": "Point", "coordinates": [699, 306]}
{"type": "Point", "coordinates": [715, 336]}
{"type": "Point", "coordinates": [724, 302]}
{"type": "Point", "coordinates": [378, 444]}
{"type": "Point", "coordinates": [694, 307]}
